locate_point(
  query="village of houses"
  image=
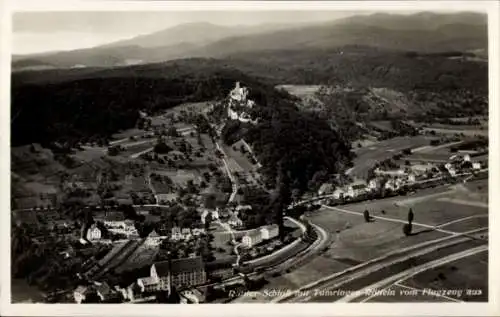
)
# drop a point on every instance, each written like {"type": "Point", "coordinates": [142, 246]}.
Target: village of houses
{"type": "Point", "coordinates": [184, 276]}
{"type": "Point", "coordinates": [183, 273]}
{"type": "Point", "coordinates": [191, 271]}
{"type": "Point", "coordinates": [403, 178]}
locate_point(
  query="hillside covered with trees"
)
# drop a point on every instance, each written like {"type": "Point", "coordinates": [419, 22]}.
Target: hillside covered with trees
{"type": "Point", "coordinates": [48, 108]}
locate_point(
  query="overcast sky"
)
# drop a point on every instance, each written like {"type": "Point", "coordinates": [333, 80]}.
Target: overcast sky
{"type": "Point", "coordinates": [35, 32]}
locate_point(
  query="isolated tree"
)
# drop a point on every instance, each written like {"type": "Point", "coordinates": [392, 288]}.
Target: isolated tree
{"type": "Point", "coordinates": [208, 221]}
{"type": "Point", "coordinates": [366, 215]}
{"type": "Point", "coordinates": [410, 216]}
{"type": "Point", "coordinates": [407, 229]}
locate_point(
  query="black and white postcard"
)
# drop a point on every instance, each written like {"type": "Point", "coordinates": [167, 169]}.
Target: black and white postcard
{"type": "Point", "coordinates": [249, 153]}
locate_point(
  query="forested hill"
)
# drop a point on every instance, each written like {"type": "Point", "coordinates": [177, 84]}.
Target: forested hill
{"type": "Point", "coordinates": [367, 66]}
{"type": "Point", "coordinates": [47, 108]}
{"type": "Point", "coordinates": [354, 64]}
{"type": "Point", "coordinates": [68, 104]}
{"type": "Point", "coordinates": [298, 143]}
{"type": "Point", "coordinates": [422, 32]}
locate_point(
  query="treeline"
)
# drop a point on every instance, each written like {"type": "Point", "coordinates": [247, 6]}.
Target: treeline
{"type": "Point", "coordinates": [73, 104]}
{"type": "Point", "coordinates": [108, 101]}
{"type": "Point", "coordinates": [362, 66]}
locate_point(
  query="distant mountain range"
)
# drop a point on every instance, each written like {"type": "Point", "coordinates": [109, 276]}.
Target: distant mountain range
{"type": "Point", "coordinates": [423, 32]}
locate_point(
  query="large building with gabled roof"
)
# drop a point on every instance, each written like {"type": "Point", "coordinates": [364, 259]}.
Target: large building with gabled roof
{"type": "Point", "coordinates": [179, 273]}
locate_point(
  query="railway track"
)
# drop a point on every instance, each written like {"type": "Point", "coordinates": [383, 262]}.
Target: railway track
{"type": "Point", "coordinates": [366, 293]}
{"type": "Point", "coordinates": [390, 260]}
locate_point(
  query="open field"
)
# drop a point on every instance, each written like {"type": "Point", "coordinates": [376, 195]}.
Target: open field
{"type": "Point", "coordinates": [467, 132]}
{"type": "Point", "coordinates": [144, 255]}
{"type": "Point", "coordinates": [205, 148]}
{"type": "Point", "coordinates": [190, 106]}
{"type": "Point", "coordinates": [237, 161]}
{"type": "Point", "coordinates": [383, 125]}
{"type": "Point", "coordinates": [426, 157]}
{"type": "Point", "coordinates": [301, 91]}
{"type": "Point", "coordinates": [368, 156]}
{"type": "Point", "coordinates": [470, 273]}
{"type": "Point", "coordinates": [162, 188]}
{"type": "Point", "coordinates": [196, 107]}
{"type": "Point", "coordinates": [180, 177]}
{"type": "Point", "coordinates": [128, 133]}
{"type": "Point", "coordinates": [428, 206]}
{"type": "Point", "coordinates": [133, 144]}
{"type": "Point", "coordinates": [232, 163]}
{"type": "Point", "coordinates": [138, 147]}
{"type": "Point", "coordinates": [467, 224]}
{"type": "Point", "coordinates": [132, 184]}
{"type": "Point", "coordinates": [89, 153]}
{"type": "Point", "coordinates": [466, 127]}
{"type": "Point", "coordinates": [139, 184]}
{"type": "Point", "coordinates": [357, 241]}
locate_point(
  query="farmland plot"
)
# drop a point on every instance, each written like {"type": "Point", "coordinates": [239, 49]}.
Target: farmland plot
{"type": "Point", "coordinates": [144, 255]}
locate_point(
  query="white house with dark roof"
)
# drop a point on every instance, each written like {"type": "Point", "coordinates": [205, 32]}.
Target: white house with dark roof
{"type": "Point", "coordinates": [338, 193]}
{"type": "Point", "coordinates": [93, 233]}
{"type": "Point", "coordinates": [269, 232]}
{"type": "Point", "coordinates": [252, 238]}
{"type": "Point", "coordinates": [147, 284]}
{"type": "Point", "coordinates": [176, 234]}
{"type": "Point", "coordinates": [154, 238]}
{"type": "Point", "coordinates": [412, 178]}
{"type": "Point", "coordinates": [374, 184]}
{"type": "Point", "coordinates": [215, 213]}
{"type": "Point", "coordinates": [80, 293]}
{"type": "Point", "coordinates": [325, 189]}
{"type": "Point", "coordinates": [356, 188]}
